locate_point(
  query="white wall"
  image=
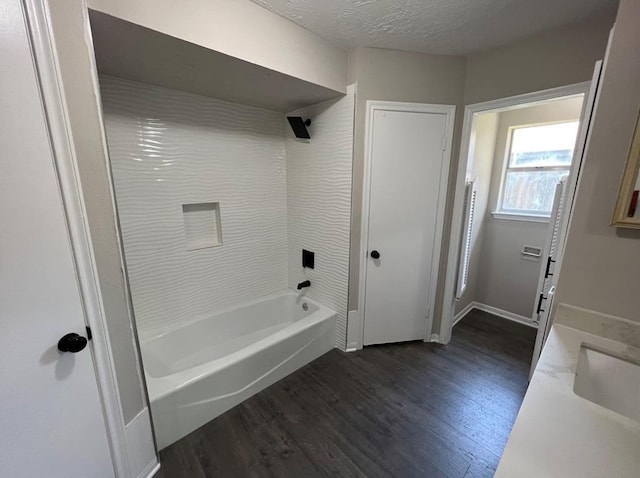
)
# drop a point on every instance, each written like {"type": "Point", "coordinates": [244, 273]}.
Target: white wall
{"type": "Point", "coordinates": [479, 168]}
{"type": "Point", "coordinates": [241, 29]}
{"type": "Point", "coordinates": [558, 57]}
{"type": "Point", "coordinates": [392, 75]}
{"type": "Point", "coordinates": [555, 58]}
{"type": "Point", "coordinates": [319, 204]}
{"type": "Point", "coordinates": [170, 148]}
{"type": "Point", "coordinates": [130, 51]}
{"type": "Point", "coordinates": [507, 279]}
{"type": "Point", "coordinates": [75, 58]}
{"type": "Point", "coordinates": [601, 264]}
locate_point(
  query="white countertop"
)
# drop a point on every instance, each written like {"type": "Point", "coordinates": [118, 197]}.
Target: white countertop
{"type": "Point", "coordinates": [559, 434]}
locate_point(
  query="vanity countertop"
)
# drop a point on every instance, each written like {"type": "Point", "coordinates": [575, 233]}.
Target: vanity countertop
{"type": "Point", "coordinates": [559, 434]}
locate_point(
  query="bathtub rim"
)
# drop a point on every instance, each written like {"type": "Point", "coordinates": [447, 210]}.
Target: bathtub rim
{"type": "Point", "coordinates": [160, 387]}
{"type": "Point", "coordinates": [188, 409]}
{"type": "Point", "coordinates": [151, 336]}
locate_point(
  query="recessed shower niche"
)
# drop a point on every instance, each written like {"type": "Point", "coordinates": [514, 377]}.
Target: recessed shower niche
{"type": "Point", "coordinates": [202, 226]}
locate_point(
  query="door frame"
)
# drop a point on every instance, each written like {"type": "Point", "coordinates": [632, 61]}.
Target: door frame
{"type": "Point", "coordinates": [45, 60]}
{"type": "Point", "coordinates": [372, 107]}
{"type": "Point", "coordinates": [512, 102]}
{"type": "Point", "coordinates": [565, 218]}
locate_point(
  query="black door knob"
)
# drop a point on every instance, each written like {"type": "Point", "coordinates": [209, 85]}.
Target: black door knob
{"type": "Point", "coordinates": [72, 343]}
{"type": "Point", "coordinates": [375, 254]}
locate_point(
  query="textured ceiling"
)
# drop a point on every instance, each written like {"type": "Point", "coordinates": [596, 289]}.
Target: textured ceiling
{"type": "Point", "coordinates": [432, 26]}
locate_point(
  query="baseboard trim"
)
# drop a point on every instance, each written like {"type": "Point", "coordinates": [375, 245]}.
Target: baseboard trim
{"type": "Point", "coordinates": [460, 315]}
{"type": "Point", "coordinates": [353, 331]}
{"type": "Point", "coordinates": [140, 448]}
{"type": "Point", "coordinates": [151, 469]}
{"type": "Point", "coordinates": [505, 314]}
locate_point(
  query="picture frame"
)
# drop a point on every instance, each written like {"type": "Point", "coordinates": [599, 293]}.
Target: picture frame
{"type": "Point", "coordinates": [627, 211]}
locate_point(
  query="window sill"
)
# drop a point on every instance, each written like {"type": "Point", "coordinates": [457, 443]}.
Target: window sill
{"type": "Point", "coordinates": [510, 216]}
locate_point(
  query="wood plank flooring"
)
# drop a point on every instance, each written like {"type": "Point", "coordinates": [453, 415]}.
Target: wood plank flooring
{"type": "Point", "coordinates": [399, 410]}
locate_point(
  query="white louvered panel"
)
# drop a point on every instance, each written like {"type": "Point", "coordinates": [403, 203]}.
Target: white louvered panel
{"type": "Point", "coordinates": [470, 195]}
{"type": "Point", "coordinates": [556, 216]}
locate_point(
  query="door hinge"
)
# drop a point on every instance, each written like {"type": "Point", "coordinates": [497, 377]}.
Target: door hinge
{"type": "Point", "coordinates": [444, 142]}
{"type": "Point", "coordinates": [540, 299]}
{"type": "Point", "coordinates": [89, 334]}
{"type": "Point", "coordinates": [547, 272]}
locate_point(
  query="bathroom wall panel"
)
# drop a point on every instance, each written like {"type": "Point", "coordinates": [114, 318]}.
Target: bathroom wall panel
{"type": "Point", "coordinates": [319, 203]}
{"type": "Point", "coordinates": [169, 148]}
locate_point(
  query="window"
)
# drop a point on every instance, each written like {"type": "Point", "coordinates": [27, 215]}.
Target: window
{"type": "Point", "coordinates": [538, 157]}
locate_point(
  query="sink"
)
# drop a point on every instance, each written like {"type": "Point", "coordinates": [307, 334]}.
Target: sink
{"type": "Point", "coordinates": [608, 380]}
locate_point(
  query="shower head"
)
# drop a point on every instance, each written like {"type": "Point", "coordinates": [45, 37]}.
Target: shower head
{"type": "Point", "coordinates": [299, 126]}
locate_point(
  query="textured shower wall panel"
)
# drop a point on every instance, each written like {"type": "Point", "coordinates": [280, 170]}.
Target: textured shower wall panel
{"type": "Point", "coordinates": [319, 204]}
{"type": "Point", "coordinates": [170, 148]}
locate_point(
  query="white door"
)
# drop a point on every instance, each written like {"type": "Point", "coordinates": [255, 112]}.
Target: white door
{"type": "Point", "coordinates": [559, 224]}
{"type": "Point", "coordinates": [546, 283]}
{"type": "Point", "coordinates": [51, 420]}
{"type": "Point", "coordinates": [407, 158]}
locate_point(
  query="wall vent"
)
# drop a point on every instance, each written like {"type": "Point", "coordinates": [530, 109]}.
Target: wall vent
{"type": "Point", "coordinates": [531, 252]}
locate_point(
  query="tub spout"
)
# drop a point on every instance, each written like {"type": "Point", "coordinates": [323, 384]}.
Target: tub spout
{"type": "Point", "coordinates": [304, 284]}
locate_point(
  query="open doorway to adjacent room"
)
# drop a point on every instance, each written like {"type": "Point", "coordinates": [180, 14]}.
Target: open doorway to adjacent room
{"type": "Point", "coordinates": [519, 166]}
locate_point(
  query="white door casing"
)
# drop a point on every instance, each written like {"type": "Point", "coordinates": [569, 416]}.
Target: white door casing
{"type": "Point", "coordinates": [52, 418]}
{"type": "Point", "coordinates": [132, 444]}
{"type": "Point", "coordinates": [408, 155]}
{"type": "Point", "coordinates": [504, 104]}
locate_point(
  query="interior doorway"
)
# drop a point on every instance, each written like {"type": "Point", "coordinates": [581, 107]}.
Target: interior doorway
{"type": "Point", "coordinates": [519, 165]}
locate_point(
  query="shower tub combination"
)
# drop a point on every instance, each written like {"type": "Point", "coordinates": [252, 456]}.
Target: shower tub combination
{"type": "Point", "coordinates": [202, 369]}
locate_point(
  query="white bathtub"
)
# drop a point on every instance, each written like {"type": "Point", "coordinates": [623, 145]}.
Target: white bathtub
{"type": "Point", "coordinates": [196, 372]}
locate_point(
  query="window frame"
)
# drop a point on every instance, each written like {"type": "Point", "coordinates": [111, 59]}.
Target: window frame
{"type": "Point", "coordinates": [519, 214]}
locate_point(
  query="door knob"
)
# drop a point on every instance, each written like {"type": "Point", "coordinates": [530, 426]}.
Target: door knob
{"type": "Point", "coordinates": [375, 254]}
{"type": "Point", "coordinates": [73, 343]}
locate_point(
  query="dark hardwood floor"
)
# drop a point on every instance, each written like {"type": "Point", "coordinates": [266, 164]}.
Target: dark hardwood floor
{"type": "Point", "coordinates": [399, 410]}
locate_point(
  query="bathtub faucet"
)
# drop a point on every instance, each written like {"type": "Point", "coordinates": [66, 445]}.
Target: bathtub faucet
{"type": "Point", "coordinates": [304, 284]}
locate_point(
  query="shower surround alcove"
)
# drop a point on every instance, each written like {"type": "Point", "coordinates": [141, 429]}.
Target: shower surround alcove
{"type": "Point", "coordinates": [216, 201]}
